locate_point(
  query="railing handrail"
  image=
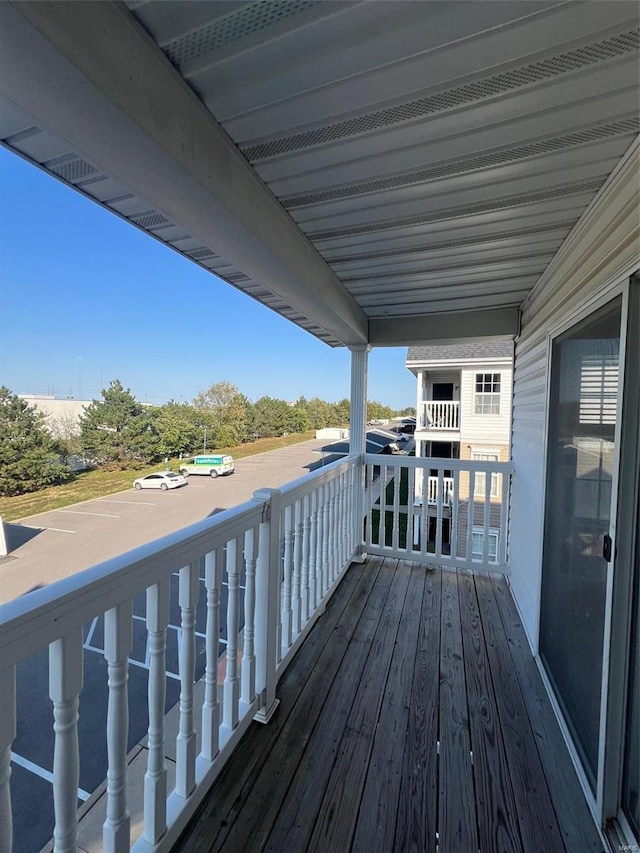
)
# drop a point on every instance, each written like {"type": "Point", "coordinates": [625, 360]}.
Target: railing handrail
{"type": "Point", "coordinates": [399, 461]}
{"type": "Point", "coordinates": [34, 620]}
{"type": "Point", "coordinates": [303, 485]}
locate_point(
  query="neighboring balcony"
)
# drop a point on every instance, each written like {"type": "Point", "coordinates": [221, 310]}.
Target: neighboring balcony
{"type": "Point", "coordinates": [389, 690]}
{"type": "Point", "coordinates": [440, 416]}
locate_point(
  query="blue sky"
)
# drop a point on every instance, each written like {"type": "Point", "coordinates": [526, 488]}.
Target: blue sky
{"type": "Point", "coordinates": [86, 298]}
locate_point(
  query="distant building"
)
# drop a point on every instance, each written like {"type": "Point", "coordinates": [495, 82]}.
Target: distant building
{"type": "Point", "coordinates": [55, 410]}
{"type": "Point", "coordinates": [463, 411]}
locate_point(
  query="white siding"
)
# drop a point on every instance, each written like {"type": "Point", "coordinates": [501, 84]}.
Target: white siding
{"type": "Point", "coordinates": [602, 248]}
{"type": "Point", "coordinates": [488, 428]}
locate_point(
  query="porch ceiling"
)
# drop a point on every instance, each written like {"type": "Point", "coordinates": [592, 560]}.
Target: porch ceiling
{"type": "Point", "coordinates": [355, 166]}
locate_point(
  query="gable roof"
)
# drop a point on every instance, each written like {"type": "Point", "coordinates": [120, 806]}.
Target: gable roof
{"type": "Point", "coordinates": [461, 352]}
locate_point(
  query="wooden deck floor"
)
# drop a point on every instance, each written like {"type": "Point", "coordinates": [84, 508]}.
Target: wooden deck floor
{"type": "Point", "coordinates": [412, 719]}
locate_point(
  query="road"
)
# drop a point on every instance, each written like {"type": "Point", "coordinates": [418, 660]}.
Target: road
{"type": "Point", "coordinates": [53, 545]}
{"type": "Point", "coordinates": [59, 543]}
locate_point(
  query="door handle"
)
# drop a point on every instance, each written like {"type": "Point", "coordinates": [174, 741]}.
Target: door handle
{"type": "Point", "coordinates": [607, 547]}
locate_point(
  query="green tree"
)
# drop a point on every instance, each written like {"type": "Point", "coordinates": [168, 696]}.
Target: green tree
{"type": "Point", "coordinates": [225, 411]}
{"type": "Point", "coordinates": [377, 411]}
{"type": "Point", "coordinates": [29, 457]}
{"type": "Point", "coordinates": [177, 428]}
{"type": "Point", "coordinates": [119, 429]}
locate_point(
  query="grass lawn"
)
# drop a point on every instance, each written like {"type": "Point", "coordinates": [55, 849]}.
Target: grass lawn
{"type": "Point", "coordinates": [96, 484]}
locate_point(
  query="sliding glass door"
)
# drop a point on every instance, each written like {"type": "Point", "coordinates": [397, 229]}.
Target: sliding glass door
{"type": "Point", "coordinates": [577, 549]}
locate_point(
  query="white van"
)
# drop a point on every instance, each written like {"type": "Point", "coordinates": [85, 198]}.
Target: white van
{"type": "Point", "coordinates": [211, 465]}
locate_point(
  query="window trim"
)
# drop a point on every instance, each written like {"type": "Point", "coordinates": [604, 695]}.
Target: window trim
{"type": "Point", "coordinates": [493, 534]}
{"type": "Point", "coordinates": [486, 401]}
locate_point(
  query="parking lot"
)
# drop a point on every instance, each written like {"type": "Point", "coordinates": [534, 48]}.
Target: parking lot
{"type": "Point", "coordinates": [58, 543]}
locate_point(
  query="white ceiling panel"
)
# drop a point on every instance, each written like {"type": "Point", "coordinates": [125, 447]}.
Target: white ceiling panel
{"type": "Point", "coordinates": [341, 162]}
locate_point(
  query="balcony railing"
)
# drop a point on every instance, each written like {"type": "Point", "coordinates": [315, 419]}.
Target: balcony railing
{"type": "Point", "coordinates": [442, 415]}
{"type": "Point", "coordinates": [265, 571]}
{"type": "Point", "coordinates": [462, 523]}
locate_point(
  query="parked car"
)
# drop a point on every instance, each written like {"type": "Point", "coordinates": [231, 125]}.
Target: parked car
{"type": "Point", "coordinates": [161, 480]}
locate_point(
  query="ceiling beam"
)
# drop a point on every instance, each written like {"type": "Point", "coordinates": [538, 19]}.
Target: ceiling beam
{"type": "Point", "coordinates": [451, 328]}
{"type": "Point", "coordinates": [89, 73]}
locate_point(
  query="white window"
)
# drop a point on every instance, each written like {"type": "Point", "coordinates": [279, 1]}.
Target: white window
{"type": "Point", "coordinates": [481, 477]}
{"type": "Point", "coordinates": [477, 546]}
{"type": "Point", "coordinates": [487, 396]}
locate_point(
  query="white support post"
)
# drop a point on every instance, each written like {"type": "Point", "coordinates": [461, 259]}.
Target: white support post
{"type": "Point", "coordinates": [7, 736]}
{"type": "Point", "coordinates": [155, 779]}
{"type": "Point", "coordinates": [358, 435]}
{"type": "Point", "coordinates": [117, 648]}
{"type": "Point", "coordinates": [65, 684]}
{"type": "Point", "coordinates": [287, 613]}
{"type": "Point", "coordinates": [268, 574]}
{"type": "Point", "coordinates": [188, 589]}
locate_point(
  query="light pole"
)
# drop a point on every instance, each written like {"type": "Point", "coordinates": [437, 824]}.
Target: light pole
{"type": "Point", "coordinates": [204, 443]}
{"type": "Point", "coordinates": [80, 377]}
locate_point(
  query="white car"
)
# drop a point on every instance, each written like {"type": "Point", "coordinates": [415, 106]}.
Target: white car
{"type": "Point", "coordinates": [162, 480]}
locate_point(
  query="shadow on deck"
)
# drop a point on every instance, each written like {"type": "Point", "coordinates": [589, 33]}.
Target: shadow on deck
{"type": "Point", "coordinates": [413, 718]}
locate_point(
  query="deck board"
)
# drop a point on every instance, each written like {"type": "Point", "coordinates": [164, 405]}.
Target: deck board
{"type": "Point", "coordinates": [536, 815]}
{"type": "Point", "coordinates": [456, 819]}
{"type": "Point", "coordinates": [495, 806]}
{"type": "Point", "coordinates": [297, 817]}
{"type": "Point", "coordinates": [417, 821]}
{"type": "Point", "coordinates": [574, 818]}
{"type": "Point", "coordinates": [338, 813]}
{"type": "Point", "coordinates": [403, 660]}
{"type": "Point", "coordinates": [377, 815]}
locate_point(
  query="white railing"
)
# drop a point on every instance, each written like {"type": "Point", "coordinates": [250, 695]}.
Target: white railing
{"type": "Point", "coordinates": [462, 523]}
{"type": "Point", "coordinates": [443, 415]}
{"type": "Point", "coordinates": [265, 570]}
{"type": "Point", "coordinates": [432, 490]}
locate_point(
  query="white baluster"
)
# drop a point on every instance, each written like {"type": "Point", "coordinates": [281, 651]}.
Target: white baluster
{"type": "Point", "coordinates": [231, 680]}
{"type": "Point", "coordinates": [395, 534]}
{"type": "Point", "coordinates": [487, 516]}
{"type": "Point", "coordinates": [249, 656]}
{"type": "Point", "coordinates": [470, 514]}
{"type": "Point", "coordinates": [439, 504]}
{"type": "Point", "coordinates": [332, 531]}
{"type": "Point", "coordinates": [188, 589]}
{"type": "Point", "coordinates": [305, 592]}
{"type": "Point", "coordinates": [455, 504]}
{"type": "Point", "coordinates": [213, 571]}
{"type": "Point", "coordinates": [424, 521]}
{"type": "Point", "coordinates": [411, 490]}
{"type": "Point", "coordinates": [342, 513]}
{"type": "Point", "coordinates": [370, 505]}
{"type": "Point", "coordinates": [7, 736]}
{"type": "Point", "coordinates": [296, 603]}
{"type": "Point", "coordinates": [155, 779]}
{"type": "Point", "coordinates": [286, 584]}
{"type": "Point", "coordinates": [504, 515]}
{"type": "Point", "coordinates": [313, 555]}
{"type": "Point", "coordinates": [65, 683]}
{"type": "Point", "coordinates": [326, 534]}
{"type": "Point", "coordinates": [117, 648]}
{"type": "Point", "coordinates": [320, 545]}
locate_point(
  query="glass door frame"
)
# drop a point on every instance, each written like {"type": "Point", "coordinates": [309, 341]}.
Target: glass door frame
{"type": "Point", "coordinates": [613, 726]}
{"type": "Point", "coordinates": [604, 804]}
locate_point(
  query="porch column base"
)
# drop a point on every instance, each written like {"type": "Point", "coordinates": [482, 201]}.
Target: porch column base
{"type": "Point", "coordinates": [264, 715]}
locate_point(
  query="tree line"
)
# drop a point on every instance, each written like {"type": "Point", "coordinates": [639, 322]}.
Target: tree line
{"type": "Point", "coordinates": [119, 430]}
